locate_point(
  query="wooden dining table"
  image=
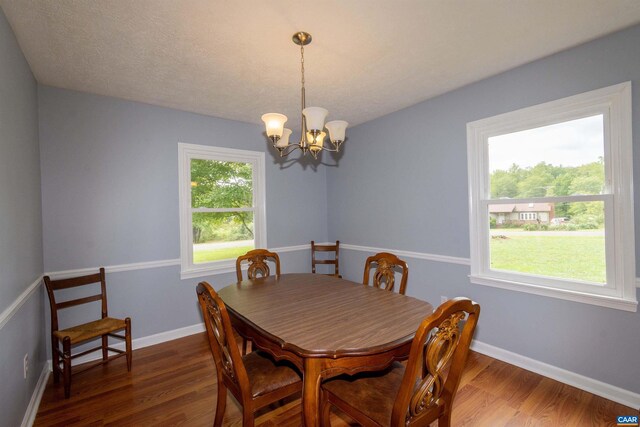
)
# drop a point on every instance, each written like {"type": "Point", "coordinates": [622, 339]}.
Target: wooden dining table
{"type": "Point", "coordinates": [325, 325]}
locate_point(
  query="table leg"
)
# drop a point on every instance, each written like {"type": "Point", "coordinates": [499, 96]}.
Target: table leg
{"type": "Point", "coordinates": [311, 392]}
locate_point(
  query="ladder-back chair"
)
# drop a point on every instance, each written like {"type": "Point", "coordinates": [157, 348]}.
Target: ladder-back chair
{"type": "Point", "coordinates": [69, 337]}
{"type": "Point", "coordinates": [335, 261]}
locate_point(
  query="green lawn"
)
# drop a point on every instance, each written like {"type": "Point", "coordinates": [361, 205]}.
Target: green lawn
{"type": "Point", "coordinates": [575, 257]}
{"type": "Point", "coordinates": [206, 255]}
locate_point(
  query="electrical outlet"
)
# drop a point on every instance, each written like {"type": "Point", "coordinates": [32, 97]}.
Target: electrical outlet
{"type": "Point", "coordinates": [443, 299]}
{"type": "Point", "coordinates": [26, 365]}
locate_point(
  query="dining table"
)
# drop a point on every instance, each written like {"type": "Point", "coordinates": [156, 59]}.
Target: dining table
{"type": "Point", "coordinates": [324, 325]}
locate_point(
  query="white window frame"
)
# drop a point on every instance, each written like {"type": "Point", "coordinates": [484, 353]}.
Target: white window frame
{"type": "Point", "coordinates": [187, 152]}
{"type": "Point", "coordinates": [614, 103]}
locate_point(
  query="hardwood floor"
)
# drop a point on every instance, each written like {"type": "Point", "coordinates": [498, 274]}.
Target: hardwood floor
{"type": "Point", "coordinates": [174, 384]}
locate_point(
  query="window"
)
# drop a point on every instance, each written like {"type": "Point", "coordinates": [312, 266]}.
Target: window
{"type": "Point", "coordinates": [222, 207]}
{"type": "Point", "coordinates": [551, 199]}
{"type": "Point", "coordinates": [528, 216]}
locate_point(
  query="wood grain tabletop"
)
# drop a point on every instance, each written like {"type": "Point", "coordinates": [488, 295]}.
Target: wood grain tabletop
{"type": "Point", "coordinates": [315, 315]}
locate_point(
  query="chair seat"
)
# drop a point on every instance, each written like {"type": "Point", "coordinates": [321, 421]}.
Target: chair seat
{"type": "Point", "coordinates": [266, 375]}
{"type": "Point", "coordinates": [372, 393]}
{"type": "Point", "coordinates": [91, 330]}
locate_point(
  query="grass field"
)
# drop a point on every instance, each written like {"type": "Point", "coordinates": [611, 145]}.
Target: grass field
{"type": "Point", "coordinates": [575, 257]}
{"type": "Point", "coordinates": [206, 255]}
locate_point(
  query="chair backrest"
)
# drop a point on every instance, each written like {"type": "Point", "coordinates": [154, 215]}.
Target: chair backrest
{"type": "Point", "coordinates": [384, 277]}
{"type": "Point", "coordinates": [258, 266]}
{"type": "Point", "coordinates": [436, 361]}
{"type": "Point", "coordinates": [326, 248]}
{"type": "Point", "coordinates": [73, 282]}
{"type": "Point", "coordinates": [226, 355]}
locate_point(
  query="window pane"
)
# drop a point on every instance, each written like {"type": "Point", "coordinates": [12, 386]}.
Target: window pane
{"type": "Point", "coordinates": [557, 160]}
{"type": "Point", "coordinates": [221, 235]}
{"type": "Point", "coordinates": [562, 240]}
{"type": "Point", "coordinates": [217, 184]}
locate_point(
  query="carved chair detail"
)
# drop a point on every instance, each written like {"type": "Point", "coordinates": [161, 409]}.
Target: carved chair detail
{"type": "Point", "coordinates": [384, 276]}
{"type": "Point", "coordinates": [258, 266]}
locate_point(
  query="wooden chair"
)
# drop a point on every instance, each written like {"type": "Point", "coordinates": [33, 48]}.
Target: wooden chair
{"type": "Point", "coordinates": [326, 248]}
{"type": "Point", "coordinates": [384, 277]}
{"type": "Point", "coordinates": [421, 392]}
{"type": "Point", "coordinates": [255, 380]}
{"type": "Point", "coordinates": [258, 266]}
{"type": "Point", "coordinates": [102, 328]}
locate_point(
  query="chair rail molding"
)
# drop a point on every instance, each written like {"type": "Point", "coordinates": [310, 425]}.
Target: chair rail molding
{"type": "Point", "coordinates": [411, 254]}
{"type": "Point", "coordinates": [8, 312]}
{"type": "Point", "coordinates": [173, 262]}
{"type": "Point", "coordinates": [419, 255]}
{"type": "Point", "coordinates": [155, 264]}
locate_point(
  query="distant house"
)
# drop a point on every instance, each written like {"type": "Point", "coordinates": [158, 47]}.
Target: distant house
{"type": "Point", "coordinates": [522, 213]}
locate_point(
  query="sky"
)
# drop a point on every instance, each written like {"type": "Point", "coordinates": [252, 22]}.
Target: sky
{"type": "Point", "coordinates": [572, 143]}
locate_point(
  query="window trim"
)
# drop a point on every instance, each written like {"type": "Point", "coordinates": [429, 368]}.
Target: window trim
{"type": "Point", "coordinates": [615, 103]}
{"type": "Point", "coordinates": [186, 152]}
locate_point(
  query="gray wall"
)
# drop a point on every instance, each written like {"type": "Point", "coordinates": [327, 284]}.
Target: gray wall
{"type": "Point", "coordinates": [20, 228]}
{"type": "Point", "coordinates": [402, 184]}
{"type": "Point", "coordinates": [110, 196]}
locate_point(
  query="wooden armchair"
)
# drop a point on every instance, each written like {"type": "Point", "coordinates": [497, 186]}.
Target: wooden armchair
{"type": "Point", "coordinates": [384, 277]}
{"type": "Point", "coordinates": [421, 392]}
{"type": "Point", "coordinates": [326, 248]}
{"type": "Point", "coordinates": [255, 380]}
{"type": "Point", "coordinates": [102, 328]}
{"type": "Point", "coordinates": [258, 266]}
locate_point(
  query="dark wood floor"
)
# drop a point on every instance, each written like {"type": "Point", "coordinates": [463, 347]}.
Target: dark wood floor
{"type": "Point", "coordinates": [174, 384]}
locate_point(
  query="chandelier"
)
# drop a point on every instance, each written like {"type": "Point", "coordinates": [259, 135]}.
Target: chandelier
{"type": "Point", "coordinates": [312, 135]}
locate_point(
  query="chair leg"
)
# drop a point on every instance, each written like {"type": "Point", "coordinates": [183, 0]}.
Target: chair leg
{"type": "Point", "coordinates": [246, 345]}
{"type": "Point", "coordinates": [55, 359]}
{"type": "Point", "coordinates": [325, 415]}
{"type": "Point", "coordinates": [247, 416]}
{"type": "Point", "coordinates": [127, 335]}
{"type": "Point", "coordinates": [445, 419]}
{"type": "Point", "coordinates": [221, 405]}
{"type": "Point", "coordinates": [66, 362]}
{"type": "Point", "coordinates": [105, 344]}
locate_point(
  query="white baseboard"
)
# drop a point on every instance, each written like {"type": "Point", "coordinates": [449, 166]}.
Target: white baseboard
{"type": "Point", "coordinates": [608, 391]}
{"type": "Point", "coordinates": [36, 396]}
{"type": "Point", "coordinates": [616, 394]}
{"type": "Point", "coordinates": [145, 341]}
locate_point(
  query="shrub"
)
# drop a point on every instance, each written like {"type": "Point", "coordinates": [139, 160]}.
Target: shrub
{"type": "Point", "coordinates": [535, 227]}
{"type": "Point", "coordinates": [565, 227]}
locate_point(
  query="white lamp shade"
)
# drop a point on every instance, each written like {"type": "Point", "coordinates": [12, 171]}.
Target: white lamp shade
{"type": "Point", "coordinates": [274, 123]}
{"type": "Point", "coordinates": [337, 129]}
{"type": "Point", "coordinates": [315, 117]}
{"type": "Point", "coordinates": [284, 139]}
{"type": "Point", "coordinates": [317, 143]}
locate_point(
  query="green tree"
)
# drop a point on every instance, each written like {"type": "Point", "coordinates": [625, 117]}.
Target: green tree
{"type": "Point", "coordinates": [503, 184]}
{"type": "Point", "coordinates": [218, 184]}
{"type": "Point", "coordinates": [537, 182]}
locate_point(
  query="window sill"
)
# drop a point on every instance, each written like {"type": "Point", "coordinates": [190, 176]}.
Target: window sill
{"type": "Point", "coordinates": [600, 300]}
{"type": "Point", "coordinates": [221, 267]}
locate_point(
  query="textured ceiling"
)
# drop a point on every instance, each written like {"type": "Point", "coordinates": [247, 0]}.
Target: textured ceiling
{"type": "Point", "coordinates": [235, 59]}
